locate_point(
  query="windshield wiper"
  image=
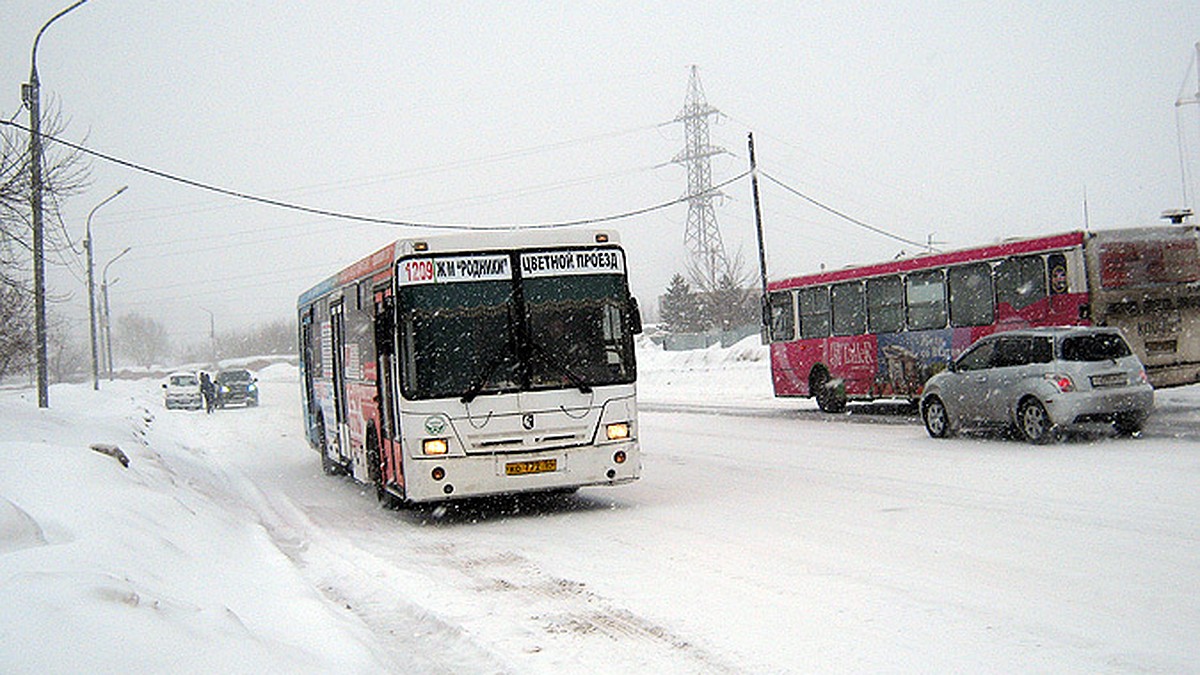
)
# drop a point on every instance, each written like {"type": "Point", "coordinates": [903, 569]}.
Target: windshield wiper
{"type": "Point", "coordinates": [583, 387]}
{"type": "Point", "coordinates": [487, 376]}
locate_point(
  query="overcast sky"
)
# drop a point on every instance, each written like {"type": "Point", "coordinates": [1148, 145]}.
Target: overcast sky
{"type": "Point", "coordinates": [964, 122]}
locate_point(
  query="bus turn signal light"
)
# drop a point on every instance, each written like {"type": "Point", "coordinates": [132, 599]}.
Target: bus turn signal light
{"type": "Point", "coordinates": [435, 446]}
{"type": "Point", "coordinates": [618, 431]}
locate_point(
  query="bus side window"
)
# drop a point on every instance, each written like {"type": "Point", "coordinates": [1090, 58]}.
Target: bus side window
{"type": "Point", "coordinates": [1020, 282]}
{"type": "Point", "coordinates": [814, 312]}
{"type": "Point", "coordinates": [783, 316]}
{"type": "Point", "coordinates": [849, 313]}
{"type": "Point", "coordinates": [926, 295]}
{"type": "Point", "coordinates": [885, 305]}
{"type": "Point", "coordinates": [971, 297]}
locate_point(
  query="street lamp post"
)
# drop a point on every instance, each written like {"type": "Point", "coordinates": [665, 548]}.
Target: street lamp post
{"type": "Point", "coordinates": [31, 95]}
{"type": "Point", "coordinates": [92, 287]}
{"type": "Point", "coordinates": [212, 337]}
{"type": "Point", "coordinates": [107, 324]}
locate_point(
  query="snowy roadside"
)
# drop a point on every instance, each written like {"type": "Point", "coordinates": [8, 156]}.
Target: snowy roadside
{"type": "Point", "coordinates": [103, 566]}
{"type": "Point", "coordinates": [191, 559]}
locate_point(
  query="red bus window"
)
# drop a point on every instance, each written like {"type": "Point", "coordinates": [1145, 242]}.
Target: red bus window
{"type": "Point", "coordinates": [814, 312]}
{"type": "Point", "coordinates": [972, 302]}
{"type": "Point", "coordinates": [926, 295]}
{"type": "Point", "coordinates": [885, 305]}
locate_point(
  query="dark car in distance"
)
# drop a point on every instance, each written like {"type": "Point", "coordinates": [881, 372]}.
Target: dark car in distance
{"type": "Point", "coordinates": [236, 387]}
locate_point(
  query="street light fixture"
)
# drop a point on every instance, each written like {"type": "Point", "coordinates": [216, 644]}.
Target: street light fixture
{"type": "Point", "coordinates": [92, 286]}
{"type": "Point", "coordinates": [31, 96]}
{"type": "Point", "coordinates": [107, 323]}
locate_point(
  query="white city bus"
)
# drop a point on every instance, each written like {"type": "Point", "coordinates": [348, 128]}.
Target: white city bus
{"type": "Point", "coordinates": [479, 364]}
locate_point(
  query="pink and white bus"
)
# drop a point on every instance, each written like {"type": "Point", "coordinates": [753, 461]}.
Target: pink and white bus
{"type": "Point", "coordinates": [448, 367]}
{"type": "Point", "coordinates": [880, 331]}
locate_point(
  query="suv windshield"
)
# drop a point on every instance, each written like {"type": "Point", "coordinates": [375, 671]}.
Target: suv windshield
{"type": "Point", "coordinates": [233, 376]}
{"type": "Point", "coordinates": [1094, 347]}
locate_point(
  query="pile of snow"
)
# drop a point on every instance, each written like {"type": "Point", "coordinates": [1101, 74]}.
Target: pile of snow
{"type": "Point", "coordinates": [103, 567]}
{"type": "Point", "coordinates": [739, 375]}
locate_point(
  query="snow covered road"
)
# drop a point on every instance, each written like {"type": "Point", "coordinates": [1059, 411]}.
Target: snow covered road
{"type": "Point", "coordinates": [754, 543]}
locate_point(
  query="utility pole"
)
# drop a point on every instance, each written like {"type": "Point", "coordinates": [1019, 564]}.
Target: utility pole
{"type": "Point", "coordinates": [31, 96]}
{"type": "Point", "coordinates": [92, 287]}
{"type": "Point", "coordinates": [762, 251]}
{"type": "Point", "coordinates": [701, 234]}
{"type": "Point", "coordinates": [1178, 216]}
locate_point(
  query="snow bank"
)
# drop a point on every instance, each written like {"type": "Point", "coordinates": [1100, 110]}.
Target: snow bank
{"type": "Point", "coordinates": [103, 567]}
{"type": "Point", "coordinates": [739, 375]}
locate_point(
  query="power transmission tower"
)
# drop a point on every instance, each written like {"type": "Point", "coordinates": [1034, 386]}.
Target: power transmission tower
{"type": "Point", "coordinates": [702, 236]}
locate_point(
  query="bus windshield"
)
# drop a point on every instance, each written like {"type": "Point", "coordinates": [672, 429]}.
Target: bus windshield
{"type": "Point", "coordinates": [577, 331]}
{"type": "Point", "coordinates": [465, 339]}
{"type": "Point", "coordinates": [456, 336]}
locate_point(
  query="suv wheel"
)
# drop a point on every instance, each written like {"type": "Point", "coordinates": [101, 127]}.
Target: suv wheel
{"type": "Point", "coordinates": [937, 421]}
{"type": "Point", "coordinates": [1034, 422]}
{"type": "Point", "coordinates": [1128, 424]}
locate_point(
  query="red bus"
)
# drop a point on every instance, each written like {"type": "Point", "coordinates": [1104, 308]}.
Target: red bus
{"type": "Point", "coordinates": [880, 331]}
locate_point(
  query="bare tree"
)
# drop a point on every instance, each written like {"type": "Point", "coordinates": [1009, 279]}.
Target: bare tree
{"type": "Point", "coordinates": [142, 339]}
{"type": "Point", "coordinates": [66, 357]}
{"type": "Point", "coordinates": [66, 173]}
{"type": "Point", "coordinates": [16, 330]}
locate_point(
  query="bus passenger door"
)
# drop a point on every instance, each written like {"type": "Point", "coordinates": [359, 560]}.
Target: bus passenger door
{"type": "Point", "coordinates": [338, 324]}
{"type": "Point", "coordinates": [385, 363]}
{"type": "Point", "coordinates": [307, 355]}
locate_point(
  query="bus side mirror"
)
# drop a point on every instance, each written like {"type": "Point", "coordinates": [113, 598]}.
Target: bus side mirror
{"type": "Point", "coordinates": [950, 366]}
{"type": "Point", "coordinates": [635, 316]}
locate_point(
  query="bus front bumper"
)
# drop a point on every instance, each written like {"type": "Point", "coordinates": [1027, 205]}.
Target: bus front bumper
{"type": "Point", "coordinates": [458, 477]}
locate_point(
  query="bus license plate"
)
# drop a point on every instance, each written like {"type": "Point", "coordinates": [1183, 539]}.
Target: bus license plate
{"type": "Point", "coordinates": [536, 466]}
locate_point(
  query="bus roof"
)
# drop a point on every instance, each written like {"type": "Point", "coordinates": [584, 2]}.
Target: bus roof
{"type": "Point", "coordinates": [380, 261]}
{"type": "Point", "coordinates": [999, 250]}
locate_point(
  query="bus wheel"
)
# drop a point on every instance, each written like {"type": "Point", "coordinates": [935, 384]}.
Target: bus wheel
{"type": "Point", "coordinates": [1033, 422]}
{"type": "Point", "coordinates": [937, 421]}
{"type": "Point", "coordinates": [831, 398]}
{"type": "Point", "coordinates": [375, 471]}
{"type": "Point", "coordinates": [330, 467]}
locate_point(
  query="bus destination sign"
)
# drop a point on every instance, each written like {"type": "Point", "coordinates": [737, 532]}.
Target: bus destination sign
{"type": "Point", "coordinates": [454, 269]}
{"type": "Point", "coordinates": [559, 263]}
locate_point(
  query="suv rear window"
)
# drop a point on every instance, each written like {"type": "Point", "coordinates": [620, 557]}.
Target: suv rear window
{"type": "Point", "coordinates": [1095, 347]}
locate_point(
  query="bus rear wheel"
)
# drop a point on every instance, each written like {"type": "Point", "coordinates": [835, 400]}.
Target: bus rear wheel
{"type": "Point", "coordinates": [830, 395]}
{"type": "Point", "coordinates": [330, 467]}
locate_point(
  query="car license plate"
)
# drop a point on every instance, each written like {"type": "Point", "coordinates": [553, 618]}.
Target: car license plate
{"type": "Point", "coordinates": [535, 466]}
{"type": "Point", "coordinates": [1111, 380]}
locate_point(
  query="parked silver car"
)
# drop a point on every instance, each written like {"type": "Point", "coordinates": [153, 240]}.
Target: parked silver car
{"type": "Point", "coordinates": [1041, 380]}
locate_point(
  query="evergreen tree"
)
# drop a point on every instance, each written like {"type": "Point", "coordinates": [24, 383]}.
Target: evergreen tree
{"type": "Point", "coordinates": [681, 307]}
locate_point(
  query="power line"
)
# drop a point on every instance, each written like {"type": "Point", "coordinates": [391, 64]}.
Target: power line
{"type": "Point", "coordinates": [839, 214]}
{"type": "Point", "coordinates": [368, 219]}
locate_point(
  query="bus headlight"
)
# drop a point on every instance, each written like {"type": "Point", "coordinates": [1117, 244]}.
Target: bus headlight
{"type": "Point", "coordinates": [617, 431]}
{"type": "Point", "coordinates": [435, 446]}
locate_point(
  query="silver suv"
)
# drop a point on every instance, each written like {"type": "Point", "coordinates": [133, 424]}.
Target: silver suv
{"type": "Point", "coordinates": [1040, 380]}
